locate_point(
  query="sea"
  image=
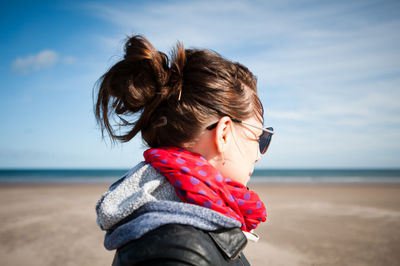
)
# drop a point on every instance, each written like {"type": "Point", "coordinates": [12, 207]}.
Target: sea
{"type": "Point", "coordinates": [267, 176]}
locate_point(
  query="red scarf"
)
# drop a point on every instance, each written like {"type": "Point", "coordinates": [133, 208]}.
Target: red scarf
{"type": "Point", "coordinates": [196, 181]}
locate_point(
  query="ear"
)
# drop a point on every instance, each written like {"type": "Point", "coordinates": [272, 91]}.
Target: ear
{"type": "Point", "coordinates": [222, 132]}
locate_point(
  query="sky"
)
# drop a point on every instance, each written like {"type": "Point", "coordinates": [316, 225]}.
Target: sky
{"type": "Point", "coordinates": [328, 75]}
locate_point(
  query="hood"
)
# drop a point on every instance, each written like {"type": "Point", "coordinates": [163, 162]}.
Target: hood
{"type": "Point", "coordinates": [143, 200]}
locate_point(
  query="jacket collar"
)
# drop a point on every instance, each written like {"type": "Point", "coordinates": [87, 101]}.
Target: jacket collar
{"type": "Point", "coordinates": [230, 240]}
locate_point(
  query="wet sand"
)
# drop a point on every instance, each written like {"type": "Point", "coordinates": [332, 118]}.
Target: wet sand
{"type": "Point", "coordinates": [307, 225]}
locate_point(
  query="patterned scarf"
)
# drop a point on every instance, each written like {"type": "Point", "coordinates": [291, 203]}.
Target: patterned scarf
{"type": "Point", "coordinates": [196, 181]}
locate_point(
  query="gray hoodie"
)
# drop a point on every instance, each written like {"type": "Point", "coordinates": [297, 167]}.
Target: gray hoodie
{"type": "Point", "coordinates": [143, 200]}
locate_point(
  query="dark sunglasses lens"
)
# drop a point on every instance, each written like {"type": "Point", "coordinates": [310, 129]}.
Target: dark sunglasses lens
{"type": "Point", "coordinates": [265, 140]}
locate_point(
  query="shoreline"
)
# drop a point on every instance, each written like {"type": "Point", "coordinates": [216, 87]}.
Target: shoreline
{"type": "Point", "coordinates": [254, 181]}
{"type": "Point", "coordinates": [262, 176]}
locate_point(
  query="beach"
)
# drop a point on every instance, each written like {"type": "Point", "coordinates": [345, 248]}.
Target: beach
{"type": "Point", "coordinates": [308, 224]}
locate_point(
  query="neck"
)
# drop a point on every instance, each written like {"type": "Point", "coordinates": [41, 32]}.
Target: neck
{"type": "Point", "coordinates": [203, 145]}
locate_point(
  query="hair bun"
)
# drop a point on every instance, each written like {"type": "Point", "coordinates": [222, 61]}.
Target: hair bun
{"type": "Point", "coordinates": [149, 64]}
{"type": "Point", "coordinates": [176, 70]}
{"type": "Point", "coordinates": [134, 84]}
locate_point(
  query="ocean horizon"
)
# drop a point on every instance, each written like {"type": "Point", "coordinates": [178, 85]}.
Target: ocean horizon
{"type": "Point", "coordinates": [278, 176]}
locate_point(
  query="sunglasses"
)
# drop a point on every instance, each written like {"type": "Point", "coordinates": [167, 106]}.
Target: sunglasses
{"type": "Point", "coordinates": [263, 141]}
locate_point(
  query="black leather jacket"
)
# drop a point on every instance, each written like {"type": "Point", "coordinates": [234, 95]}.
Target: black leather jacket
{"type": "Point", "coordinates": [175, 244]}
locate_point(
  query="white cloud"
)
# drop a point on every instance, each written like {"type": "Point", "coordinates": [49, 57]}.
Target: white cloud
{"type": "Point", "coordinates": [43, 59]}
{"type": "Point", "coordinates": [68, 59]}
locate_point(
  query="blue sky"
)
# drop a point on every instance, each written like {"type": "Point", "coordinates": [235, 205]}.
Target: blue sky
{"type": "Point", "coordinates": [328, 75]}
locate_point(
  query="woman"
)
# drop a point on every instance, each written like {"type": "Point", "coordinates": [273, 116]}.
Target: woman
{"type": "Point", "coordinates": [187, 203]}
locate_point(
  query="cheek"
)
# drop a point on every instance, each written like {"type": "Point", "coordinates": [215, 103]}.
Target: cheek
{"type": "Point", "coordinates": [250, 150]}
{"type": "Point", "coordinates": [256, 149]}
{"type": "Point", "coordinates": [239, 159]}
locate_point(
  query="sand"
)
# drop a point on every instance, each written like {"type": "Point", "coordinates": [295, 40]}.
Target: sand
{"type": "Point", "coordinates": [307, 225]}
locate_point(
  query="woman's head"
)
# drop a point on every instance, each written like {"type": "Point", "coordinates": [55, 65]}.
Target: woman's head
{"type": "Point", "coordinates": [171, 101]}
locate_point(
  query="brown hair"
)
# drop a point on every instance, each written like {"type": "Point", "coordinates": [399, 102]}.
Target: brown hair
{"type": "Point", "coordinates": [169, 101]}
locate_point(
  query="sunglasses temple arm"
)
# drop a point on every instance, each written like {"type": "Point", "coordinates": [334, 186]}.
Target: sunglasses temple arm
{"type": "Point", "coordinates": [247, 124]}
